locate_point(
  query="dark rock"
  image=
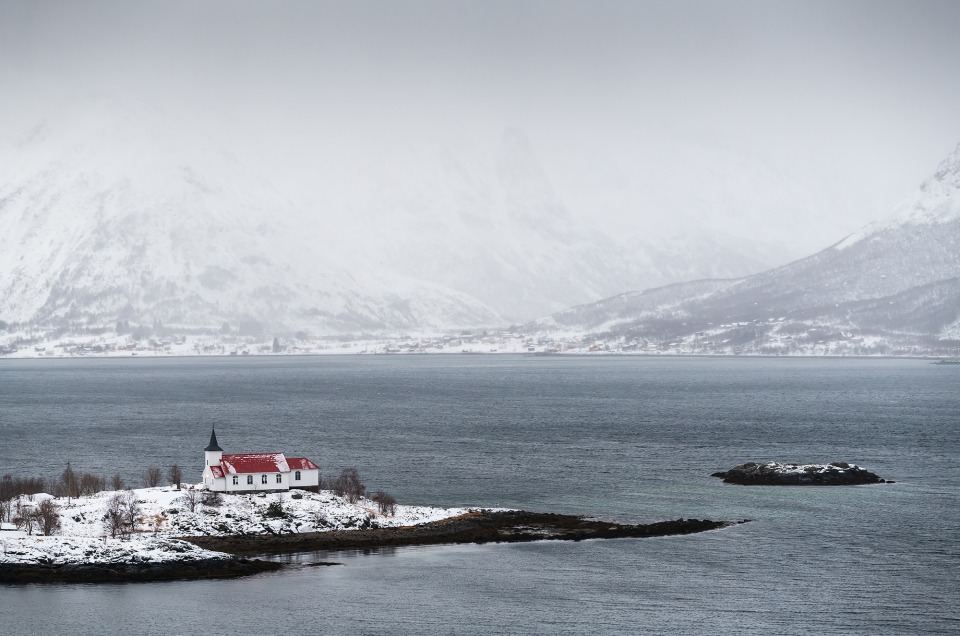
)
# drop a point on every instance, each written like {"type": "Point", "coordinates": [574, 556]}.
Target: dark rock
{"type": "Point", "coordinates": [133, 572]}
{"type": "Point", "coordinates": [775, 474]}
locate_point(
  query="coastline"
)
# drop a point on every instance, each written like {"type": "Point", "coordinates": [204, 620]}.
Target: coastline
{"type": "Point", "coordinates": [934, 358]}
{"type": "Point", "coordinates": [218, 568]}
{"type": "Point", "coordinates": [233, 553]}
{"type": "Point", "coordinates": [478, 526]}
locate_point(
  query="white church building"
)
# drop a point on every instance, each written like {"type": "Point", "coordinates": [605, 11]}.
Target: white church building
{"type": "Point", "coordinates": [249, 472]}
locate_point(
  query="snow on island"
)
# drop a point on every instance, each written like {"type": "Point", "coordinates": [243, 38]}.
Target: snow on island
{"type": "Point", "coordinates": [163, 515]}
{"type": "Point", "coordinates": [776, 474]}
{"type": "Point", "coordinates": [170, 525]}
{"type": "Point", "coordinates": [59, 550]}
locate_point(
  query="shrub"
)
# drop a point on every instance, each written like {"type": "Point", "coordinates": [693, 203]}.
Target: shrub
{"type": "Point", "coordinates": [386, 503]}
{"type": "Point", "coordinates": [152, 476]}
{"type": "Point", "coordinates": [190, 499]}
{"type": "Point", "coordinates": [176, 475]}
{"type": "Point", "coordinates": [349, 485]}
{"type": "Point", "coordinates": [47, 515]}
{"type": "Point", "coordinates": [122, 514]}
{"type": "Point", "coordinates": [275, 510]}
{"type": "Point", "coordinates": [212, 499]}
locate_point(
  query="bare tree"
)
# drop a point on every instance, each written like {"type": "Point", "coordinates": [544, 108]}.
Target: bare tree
{"type": "Point", "coordinates": [7, 490]}
{"type": "Point", "coordinates": [191, 498]}
{"type": "Point", "coordinates": [176, 475]}
{"type": "Point", "coordinates": [131, 512]}
{"type": "Point", "coordinates": [386, 503]}
{"type": "Point", "coordinates": [70, 483]}
{"type": "Point", "coordinates": [152, 476]}
{"type": "Point", "coordinates": [116, 483]}
{"type": "Point", "coordinates": [13, 486]}
{"type": "Point", "coordinates": [91, 484]}
{"type": "Point", "coordinates": [122, 514]}
{"type": "Point", "coordinates": [349, 485]}
{"type": "Point", "coordinates": [113, 515]}
{"type": "Point", "coordinates": [24, 517]}
{"type": "Point", "coordinates": [47, 514]}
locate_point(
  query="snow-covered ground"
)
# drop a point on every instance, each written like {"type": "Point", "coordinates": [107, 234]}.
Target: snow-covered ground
{"type": "Point", "coordinates": [57, 550]}
{"type": "Point", "coordinates": [165, 514]}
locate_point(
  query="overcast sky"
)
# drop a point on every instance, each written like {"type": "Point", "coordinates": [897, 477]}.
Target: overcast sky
{"type": "Point", "coordinates": [857, 98]}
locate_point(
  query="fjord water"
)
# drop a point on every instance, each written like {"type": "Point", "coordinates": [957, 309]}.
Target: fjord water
{"type": "Point", "coordinates": [624, 438]}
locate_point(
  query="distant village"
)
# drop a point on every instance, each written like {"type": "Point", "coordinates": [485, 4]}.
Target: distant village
{"type": "Point", "coordinates": [772, 337]}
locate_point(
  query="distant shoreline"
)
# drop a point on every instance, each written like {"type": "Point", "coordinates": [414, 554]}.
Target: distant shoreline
{"type": "Point", "coordinates": [933, 358]}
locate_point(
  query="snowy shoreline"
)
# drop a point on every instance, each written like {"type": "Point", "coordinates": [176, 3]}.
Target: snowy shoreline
{"type": "Point", "coordinates": [166, 515]}
{"type": "Point", "coordinates": [932, 357]}
{"type": "Point", "coordinates": [39, 344]}
{"type": "Point", "coordinates": [172, 542]}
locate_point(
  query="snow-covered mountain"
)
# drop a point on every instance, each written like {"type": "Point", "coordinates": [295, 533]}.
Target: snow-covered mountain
{"type": "Point", "coordinates": [108, 216]}
{"type": "Point", "coordinates": [118, 212]}
{"type": "Point", "coordinates": [492, 224]}
{"type": "Point", "coordinates": [897, 278]}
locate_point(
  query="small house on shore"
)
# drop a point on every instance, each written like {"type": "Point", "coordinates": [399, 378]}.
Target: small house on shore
{"type": "Point", "coordinates": [255, 472]}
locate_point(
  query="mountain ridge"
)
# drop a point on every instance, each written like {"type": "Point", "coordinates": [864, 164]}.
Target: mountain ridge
{"type": "Point", "coordinates": [116, 212]}
{"type": "Point", "coordinates": [895, 284]}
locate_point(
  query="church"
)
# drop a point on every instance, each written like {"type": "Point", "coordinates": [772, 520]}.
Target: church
{"type": "Point", "coordinates": [252, 472]}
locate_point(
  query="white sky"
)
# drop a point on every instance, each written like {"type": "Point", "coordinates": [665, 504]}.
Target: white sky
{"type": "Point", "coordinates": [858, 100]}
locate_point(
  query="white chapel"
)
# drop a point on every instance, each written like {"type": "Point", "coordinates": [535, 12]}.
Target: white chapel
{"type": "Point", "coordinates": [250, 472]}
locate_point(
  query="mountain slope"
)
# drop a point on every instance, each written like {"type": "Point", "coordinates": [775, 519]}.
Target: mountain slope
{"type": "Point", "coordinates": [107, 217]}
{"type": "Point", "coordinates": [897, 279]}
{"type": "Point", "coordinates": [489, 221]}
{"type": "Point", "coordinates": [118, 212]}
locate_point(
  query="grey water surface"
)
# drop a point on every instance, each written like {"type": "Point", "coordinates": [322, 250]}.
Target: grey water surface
{"type": "Point", "coordinates": [625, 438]}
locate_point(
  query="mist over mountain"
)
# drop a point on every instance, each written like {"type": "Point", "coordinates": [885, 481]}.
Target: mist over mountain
{"type": "Point", "coordinates": [111, 215]}
{"type": "Point", "coordinates": [115, 210]}
{"type": "Point", "coordinates": [893, 286]}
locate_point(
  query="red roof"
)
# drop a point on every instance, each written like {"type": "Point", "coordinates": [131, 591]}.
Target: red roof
{"type": "Point", "coordinates": [300, 463]}
{"type": "Point", "coordinates": [254, 463]}
{"type": "Point", "coordinates": [217, 472]}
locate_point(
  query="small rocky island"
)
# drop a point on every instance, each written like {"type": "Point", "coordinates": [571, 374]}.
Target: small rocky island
{"type": "Point", "coordinates": [777, 474]}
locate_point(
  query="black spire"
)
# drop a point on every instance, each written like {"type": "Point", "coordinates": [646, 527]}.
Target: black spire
{"type": "Point", "coordinates": [213, 446]}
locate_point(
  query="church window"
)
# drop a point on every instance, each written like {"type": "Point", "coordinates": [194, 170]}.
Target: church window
{"type": "Point", "coordinates": [296, 475]}
{"type": "Point", "coordinates": [236, 480]}
{"type": "Point", "coordinates": [263, 479]}
{"type": "Point", "coordinates": [279, 478]}
{"type": "Point", "coordinates": [249, 479]}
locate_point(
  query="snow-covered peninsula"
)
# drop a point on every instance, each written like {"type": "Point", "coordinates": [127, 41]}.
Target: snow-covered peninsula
{"type": "Point", "coordinates": [85, 535]}
{"type": "Point", "coordinates": [177, 536]}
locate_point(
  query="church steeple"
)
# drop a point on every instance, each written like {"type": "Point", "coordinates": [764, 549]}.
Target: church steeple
{"type": "Point", "coordinates": [212, 454]}
{"type": "Point", "coordinates": [213, 446]}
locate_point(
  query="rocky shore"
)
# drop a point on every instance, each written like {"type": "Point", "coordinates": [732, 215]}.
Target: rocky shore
{"type": "Point", "coordinates": [133, 572]}
{"type": "Point", "coordinates": [221, 541]}
{"type": "Point", "coordinates": [480, 526]}
{"type": "Point", "coordinates": [776, 474]}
